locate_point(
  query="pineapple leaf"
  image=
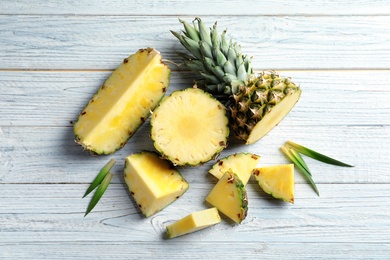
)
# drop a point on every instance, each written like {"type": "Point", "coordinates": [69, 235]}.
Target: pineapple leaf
{"type": "Point", "coordinates": [99, 178]}
{"type": "Point", "coordinates": [300, 159]}
{"type": "Point", "coordinates": [315, 155]}
{"type": "Point", "coordinates": [190, 31]}
{"type": "Point", "coordinates": [298, 162]}
{"type": "Point", "coordinates": [99, 192]}
{"type": "Point", "coordinates": [203, 31]}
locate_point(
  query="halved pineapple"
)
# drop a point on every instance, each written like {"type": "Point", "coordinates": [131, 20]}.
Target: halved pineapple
{"type": "Point", "coordinates": [152, 182]}
{"type": "Point", "coordinates": [229, 196]}
{"type": "Point", "coordinates": [123, 102]}
{"type": "Point", "coordinates": [189, 127]}
{"type": "Point", "coordinates": [277, 180]}
{"type": "Point", "coordinates": [242, 164]}
{"type": "Point", "coordinates": [193, 222]}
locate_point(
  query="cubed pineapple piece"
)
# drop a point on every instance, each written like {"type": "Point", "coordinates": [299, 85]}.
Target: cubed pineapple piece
{"type": "Point", "coordinates": [277, 180]}
{"type": "Point", "coordinates": [193, 222]}
{"type": "Point", "coordinates": [229, 196]}
{"type": "Point", "coordinates": [152, 182]}
{"type": "Point", "coordinates": [123, 102]}
{"type": "Point", "coordinates": [242, 164]}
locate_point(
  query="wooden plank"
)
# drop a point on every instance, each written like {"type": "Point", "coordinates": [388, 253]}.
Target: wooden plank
{"type": "Point", "coordinates": [285, 42]}
{"type": "Point", "coordinates": [192, 8]}
{"type": "Point", "coordinates": [53, 214]}
{"type": "Point", "coordinates": [54, 98]}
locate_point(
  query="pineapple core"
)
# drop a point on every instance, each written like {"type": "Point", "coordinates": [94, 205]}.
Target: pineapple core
{"type": "Point", "coordinates": [193, 222]}
{"type": "Point", "coordinates": [152, 182]}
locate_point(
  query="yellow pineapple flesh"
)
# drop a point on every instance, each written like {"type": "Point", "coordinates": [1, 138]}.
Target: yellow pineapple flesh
{"type": "Point", "coordinates": [152, 182]}
{"type": "Point", "coordinates": [277, 180]}
{"type": "Point", "coordinates": [123, 102]}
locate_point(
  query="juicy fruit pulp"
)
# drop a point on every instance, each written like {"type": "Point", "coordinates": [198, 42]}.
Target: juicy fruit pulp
{"type": "Point", "coordinates": [193, 222]}
{"type": "Point", "coordinates": [229, 196]}
{"type": "Point", "coordinates": [242, 164]}
{"type": "Point", "coordinates": [189, 127]}
{"type": "Point", "coordinates": [277, 180]}
{"type": "Point", "coordinates": [256, 102]}
{"type": "Point", "coordinates": [123, 102]}
{"type": "Point", "coordinates": [152, 182]}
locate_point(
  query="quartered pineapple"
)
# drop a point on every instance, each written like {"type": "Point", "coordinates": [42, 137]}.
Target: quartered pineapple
{"type": "Point", "coordinates": [189, 127]}
{"type": "Point", "coordinates": [152, 182]}
{"type": "Point", "coordinates": [194, 222]}
{"type": "Point", "coordinates": [256, 102]}
{"type": "Point", "coordinates": [123, 102]}
{"type": "Point", "coordinates": [229, 196]}
{"type": "Point", "coordinates": [242, 164]}
{"type": "Point", "coordinates": [277, 180]}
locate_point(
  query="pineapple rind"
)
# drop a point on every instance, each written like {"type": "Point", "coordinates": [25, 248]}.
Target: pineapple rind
{"type": "Point", "coordinates": [122, 103]}
{"type": "Point", "coordinates": [152, 182]}
{"type": "Point", "coordinates": [242, 164]}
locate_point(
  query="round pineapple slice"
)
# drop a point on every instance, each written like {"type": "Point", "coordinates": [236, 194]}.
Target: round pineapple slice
{"type": "Point", "coordinates": [189, 127]}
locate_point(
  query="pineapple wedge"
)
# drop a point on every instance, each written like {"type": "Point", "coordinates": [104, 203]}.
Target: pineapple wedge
{"type": "Point", "coordinates": [152, 182]}
{"type": "Point", "coordinates": [242, 164]}
{"type": "Point", "coordinates": [229, 196]}
{"type": "Point", "coordinates": [123, 102]}
{"type": "Point", "coordinates": [189, 127]}
{"type": "Point", "coordinates": [193, 222]}
{"type": "Point", "coordinates": [277, 180]}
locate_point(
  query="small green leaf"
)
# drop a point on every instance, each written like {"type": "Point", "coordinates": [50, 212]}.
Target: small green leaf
{"type": "Point", "coordinates": [299, 163]}
{"type": "Point", "coordinates": [315, 155]}
{"type": "Point", "coordinates": [99, 178]}
{"type": "Point", "coordinates": [99, 192]}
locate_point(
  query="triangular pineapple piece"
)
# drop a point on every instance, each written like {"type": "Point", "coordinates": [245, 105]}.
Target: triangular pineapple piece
{"type": "Point", "coordinates": [229, 196]}
{"type": "Point", "coordinates": [123, 102]}
{"type": "Point", "coordinates": [193, 222]}
{"type": "Point", "coordinates": [242, 164]}
{"type": "Point", "coordinates": [189, 127]}
{"type": "Point", "coordinates": [277, 180]}
{"type": "Point", "coordinates": [152, 182]}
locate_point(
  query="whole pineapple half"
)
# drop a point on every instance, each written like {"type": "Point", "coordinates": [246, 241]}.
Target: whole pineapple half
{"type": "Point", "coordinates": [189, 127]}
{"type": "Point", "coordinates": [123, 102]}
{"type": "Point", "coordinates": [257, 102]}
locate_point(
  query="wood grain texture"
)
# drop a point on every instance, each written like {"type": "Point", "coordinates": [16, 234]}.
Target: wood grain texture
{"type": "Point", "coordinates": [285, 42]}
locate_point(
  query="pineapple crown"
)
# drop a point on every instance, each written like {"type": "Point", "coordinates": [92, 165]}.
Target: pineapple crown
{"type": "Point", "coordinates": [223, 67]}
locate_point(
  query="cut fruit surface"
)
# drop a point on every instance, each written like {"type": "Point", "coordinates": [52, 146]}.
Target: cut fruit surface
{"type": "Point", "coordinates": [193, 222]}
{"type": "Point", "coordinates": [152, 182]}
{"type": "Point", "coordinates": [189, 127]}
{"type": "Point", "coordinates": [229, 196]}
{"type": "Point", "coordinates": [123, 102]}
{"type": "Point", "coordinates": [277, 180]}
{"type": "Point", "coordinates": [242, 164]}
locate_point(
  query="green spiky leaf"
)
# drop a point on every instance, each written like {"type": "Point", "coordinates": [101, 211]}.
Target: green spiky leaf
{"type": "Point", "coordinates": [315, 155]}
{"type": "Point", "coordinates": [298, 161]}
{"type": "Point", "coordinates": [99, 192]}
{"type": "Point", "coordinates": [99, 178]}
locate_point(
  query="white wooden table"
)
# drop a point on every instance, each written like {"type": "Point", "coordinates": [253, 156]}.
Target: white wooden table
{"type": "Point", "coordinates": [54, 56]}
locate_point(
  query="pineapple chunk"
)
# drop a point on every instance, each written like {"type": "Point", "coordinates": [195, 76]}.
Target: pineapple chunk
{"type": "Point", "coordinates": [123, 102]}
{"type": "Point", "coordinates": [242, 164]}
{"type": "Point", "coordinates": [189, 127]}
{"type": "Point", "coordinates": [277, 181]}
{"type": "Point", "coordinates": [152, 182]}
{"type": "Point", "coordinates": [229, 196]}
{"type": "Point", "coordinates": [193, 222]}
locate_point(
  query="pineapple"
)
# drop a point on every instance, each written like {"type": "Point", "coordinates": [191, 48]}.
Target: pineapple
{"type": "Point", "coordinates": [123, 102]}
{"type": "Point", "coordinates": [189, 127]}
{"type": "Point", "coordinates": [242, 164]}
{"type": "Point", "coordinates": [277, 180]}
{"type": "Point", "coordinates": [229, 196]}
{"type": "Point", "coordinates": [152, 182]}
{"type": "Point", "coordinates": [256, 102]}
{"type": "Point", "coordinates": [193, 222]}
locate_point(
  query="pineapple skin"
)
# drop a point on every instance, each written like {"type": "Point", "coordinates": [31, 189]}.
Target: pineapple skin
{"type": "Point", "coordinates": [152, 182]}
{"type": "Point", "coordinates": [123, 103]}
{"type": "Point", "coordinates": [229, 76]}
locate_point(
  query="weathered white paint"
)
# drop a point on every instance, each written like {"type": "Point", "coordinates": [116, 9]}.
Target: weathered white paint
{"type": "Point", "coordinates": [55, 55]}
